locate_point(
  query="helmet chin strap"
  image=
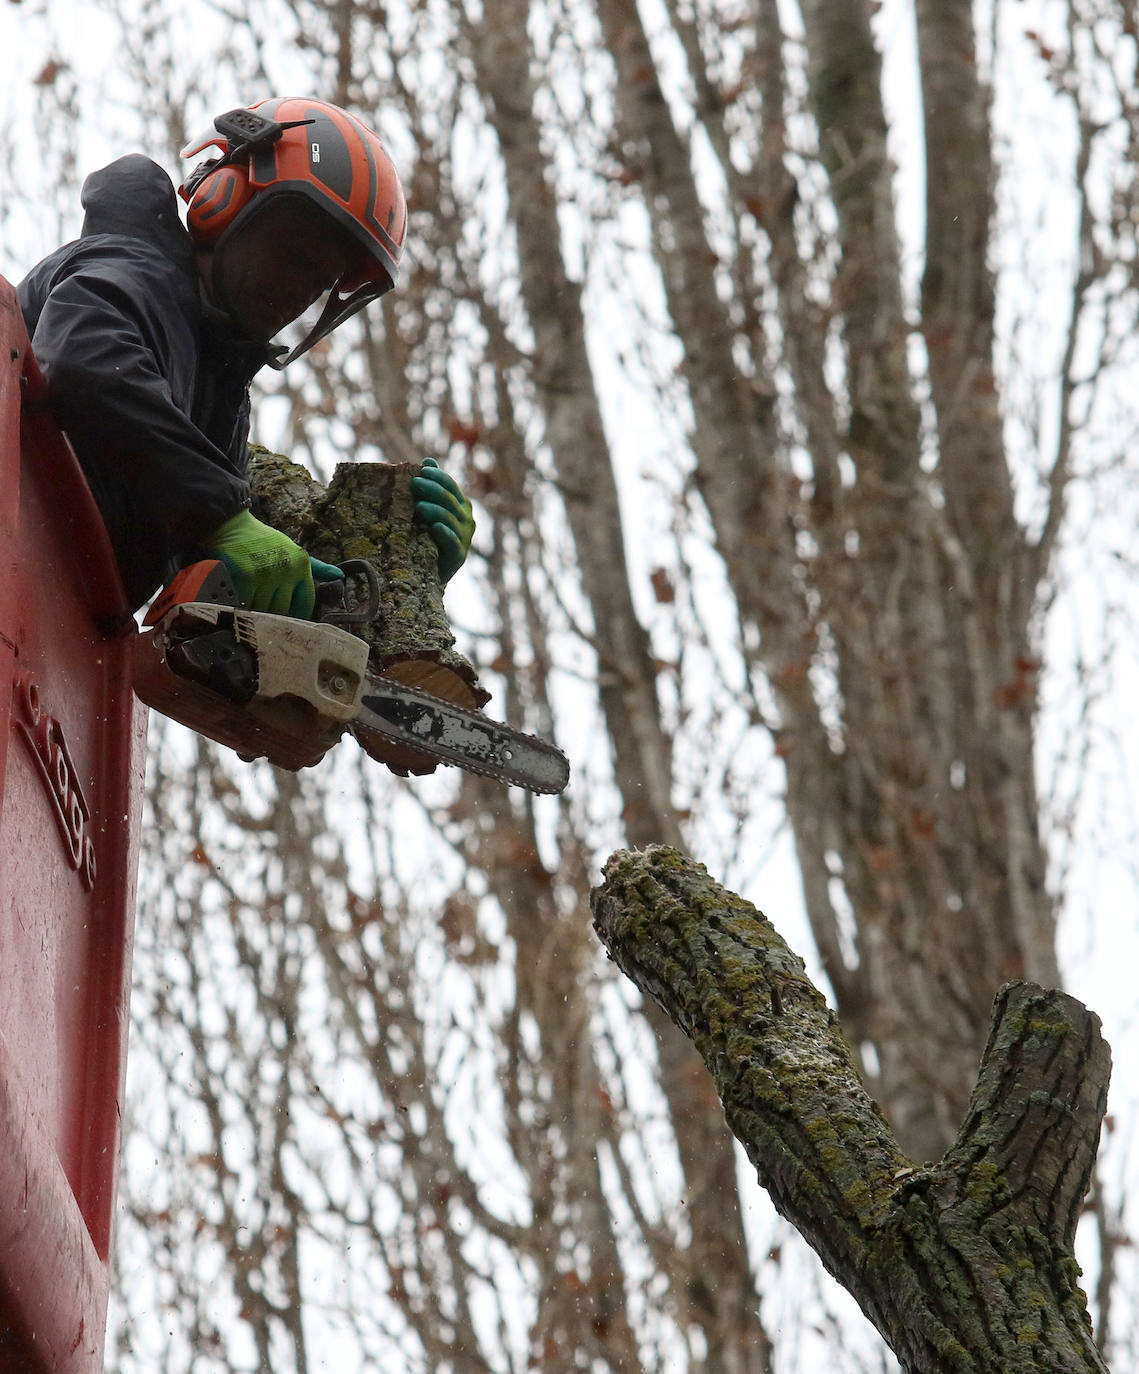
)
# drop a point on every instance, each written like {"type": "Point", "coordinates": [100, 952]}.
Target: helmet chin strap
{"type": "Point", "coordinates": [336, 310]}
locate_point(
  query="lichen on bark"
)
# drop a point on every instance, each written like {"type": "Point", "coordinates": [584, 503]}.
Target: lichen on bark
{"type": "Point", "coordinates": [366, 512]}
{"type": "Point", "coordinates": [963, 1265]}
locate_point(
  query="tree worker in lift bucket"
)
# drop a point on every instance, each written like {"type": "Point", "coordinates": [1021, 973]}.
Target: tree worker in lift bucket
{"type": "Point", "coordinates": [149, 334]}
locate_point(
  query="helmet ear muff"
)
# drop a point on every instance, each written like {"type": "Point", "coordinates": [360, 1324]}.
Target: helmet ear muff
{"type": "Point", "coordinates": [215, 201]}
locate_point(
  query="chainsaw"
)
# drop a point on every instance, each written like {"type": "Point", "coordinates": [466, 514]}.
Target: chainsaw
{"type": "Point", "coordinates": [274, 687]}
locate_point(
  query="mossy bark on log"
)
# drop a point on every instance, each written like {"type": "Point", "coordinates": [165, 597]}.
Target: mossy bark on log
{"type": "Point", "coordinates": [366, 512]}
{"type": "Point", "coordinates": [965, 1266]}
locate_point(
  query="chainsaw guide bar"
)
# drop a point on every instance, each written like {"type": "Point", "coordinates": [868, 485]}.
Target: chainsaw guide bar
{"type": "Point", "coordinates": [454, 734]}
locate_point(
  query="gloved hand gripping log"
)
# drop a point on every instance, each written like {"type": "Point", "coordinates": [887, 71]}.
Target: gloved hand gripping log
{"type": "Point", "coordinates": [412, 523]}
{"type": "Point", "coordinates": [271, 572]}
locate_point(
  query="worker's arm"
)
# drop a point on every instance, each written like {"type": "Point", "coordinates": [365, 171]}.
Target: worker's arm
{"type": "Point", "coordinates": [109, 367]}
{"type": "Point", "coordinates": [442, 507]}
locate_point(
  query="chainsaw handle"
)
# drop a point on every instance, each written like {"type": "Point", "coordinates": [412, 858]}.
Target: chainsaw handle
{"type": "Point", "coordinates": [208, 580]}
{"type": "Point", "coordinates": [331, 594]}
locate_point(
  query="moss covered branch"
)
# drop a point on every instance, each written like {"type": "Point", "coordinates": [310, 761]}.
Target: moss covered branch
{"type": "Point", "coordinates": [965, 1265]}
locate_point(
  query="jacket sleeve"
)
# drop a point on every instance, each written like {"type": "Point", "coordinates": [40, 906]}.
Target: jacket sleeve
{"type": "Point", "coordinates": [111, 366]}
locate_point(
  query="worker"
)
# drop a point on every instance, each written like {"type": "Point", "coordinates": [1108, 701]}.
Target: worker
{"type": "Point", "coordinates": [149, 333]}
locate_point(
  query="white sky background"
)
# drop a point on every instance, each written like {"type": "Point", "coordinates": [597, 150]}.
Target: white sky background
{"type": "Point", "coordinates": [1100, 933]}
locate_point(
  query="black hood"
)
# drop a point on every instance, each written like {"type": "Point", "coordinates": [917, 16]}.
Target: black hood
{"type": "Point", "coordinates": [134, 196]}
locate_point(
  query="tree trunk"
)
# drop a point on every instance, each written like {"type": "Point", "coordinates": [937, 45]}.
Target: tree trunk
{"type": "Point", "coordinates": [966, 1265]}
{"type": "Point", "coordinates": [564, 380]}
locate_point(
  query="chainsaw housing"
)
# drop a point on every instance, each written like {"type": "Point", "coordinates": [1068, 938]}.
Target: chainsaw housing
{"type": "Point", "coordinates": [267, 686]}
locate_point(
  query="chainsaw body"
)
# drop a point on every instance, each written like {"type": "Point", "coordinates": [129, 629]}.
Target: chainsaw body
{"type": "Point", "coordinates": [265, 685]}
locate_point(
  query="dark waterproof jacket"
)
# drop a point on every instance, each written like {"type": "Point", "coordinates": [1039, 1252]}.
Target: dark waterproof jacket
{"type": "Point", "coordinates": [149, 382]}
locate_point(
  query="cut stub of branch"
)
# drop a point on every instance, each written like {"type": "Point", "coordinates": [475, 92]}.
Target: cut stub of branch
{"type": "Point", "coordinates": [366, 512]}
{"type": "Point", "coordinates": [965, 1265]}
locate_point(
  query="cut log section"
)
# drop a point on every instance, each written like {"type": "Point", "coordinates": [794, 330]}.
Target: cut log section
{"type": "Point", "coordinates": [366, 512]}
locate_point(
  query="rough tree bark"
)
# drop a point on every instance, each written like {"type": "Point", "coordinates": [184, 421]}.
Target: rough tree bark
{"type": "Point", "coordinates": [963, 1266]}
{"type": "Point", "coordinates": [365, 513]}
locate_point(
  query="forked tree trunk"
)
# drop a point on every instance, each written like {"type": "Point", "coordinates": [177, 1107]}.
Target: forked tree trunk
{"type": "Point", "coordinates": [965, 1266]}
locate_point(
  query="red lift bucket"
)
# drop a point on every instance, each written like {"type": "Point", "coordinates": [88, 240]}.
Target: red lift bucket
{"type": "Point", "coordinates": [72, 743]}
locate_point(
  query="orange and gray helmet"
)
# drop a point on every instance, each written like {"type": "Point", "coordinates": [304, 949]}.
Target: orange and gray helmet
{"type": "Point", "coordinates": [294, 146]}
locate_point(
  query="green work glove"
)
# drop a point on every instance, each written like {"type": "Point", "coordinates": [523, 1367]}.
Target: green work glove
{"type": "Point", "coordinates": [442, 507]}
{"type": "Point", "coordinates": [269, 571]}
